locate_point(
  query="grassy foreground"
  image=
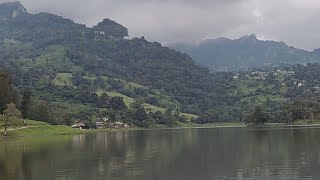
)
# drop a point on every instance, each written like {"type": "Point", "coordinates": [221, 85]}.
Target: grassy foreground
{"type": "Point", "coordinates": [47, 130]}
{"type": "Point", "coordinates": [19, 127]}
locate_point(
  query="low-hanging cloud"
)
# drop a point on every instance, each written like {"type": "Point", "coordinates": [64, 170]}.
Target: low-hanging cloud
{"type": "Point", "coordinates": [169, 21]}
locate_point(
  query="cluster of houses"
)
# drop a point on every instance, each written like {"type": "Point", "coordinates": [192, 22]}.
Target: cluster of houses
{"type": "Point", "coordinates": [112, 125]}
{"type": "Point", "coordinates": [258, 75]}
{"type": "Point", "coordinates": [262, 75]}
{"type": "Point", "coordinates": [12, 41]}
{"type": "Point", "coordinates": [283, 72]}
{"type": "Point", "coordinates": [104, 124]}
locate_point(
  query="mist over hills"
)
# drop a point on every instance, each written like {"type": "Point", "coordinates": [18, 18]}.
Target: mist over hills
{"type": "Point", "coordinates": [223, 54]}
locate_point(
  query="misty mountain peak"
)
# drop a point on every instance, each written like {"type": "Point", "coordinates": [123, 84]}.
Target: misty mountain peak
{"type": "Point", "coordinates": [10, 10]}
{"type": "Point", "coordinates": [111, 28]}
{"type": "Point", "coordinates": [252, 38]}
{"type": "Point", "coordinates": [247, 51]}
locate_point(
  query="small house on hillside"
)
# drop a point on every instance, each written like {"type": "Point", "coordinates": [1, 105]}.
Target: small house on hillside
{"type": "Point", "coordinates": [99, 125]}
{"type": "Point", "coordinates": [118, 125]}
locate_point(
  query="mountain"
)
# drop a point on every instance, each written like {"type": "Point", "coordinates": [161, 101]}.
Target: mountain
{"type": "Point", "coordinates": [245, 52]}
{"type": "Point", "coordinates": [62, 72]}
{"type": "Point", "coordinates": [75, 68]}
{"type": "Point", "coordinates": [11, 10]}
{"type": "Point", "coordinates": [111, 28]}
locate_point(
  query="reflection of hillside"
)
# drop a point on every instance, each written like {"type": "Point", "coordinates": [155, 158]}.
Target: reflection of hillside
{"type": "Point", "coordinates": [134, 154]}
{"type": "Point", "coordinates": [165, 154]}
{"type": "Point", "coordinates": [28, 158]}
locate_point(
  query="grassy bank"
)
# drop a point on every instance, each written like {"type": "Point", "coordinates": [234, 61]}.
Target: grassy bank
{"type": "Point", "coordinates": [19, 127]}
{"type": "Point", "coordinates": [35, 128]}
{"type": "Point", "coordinates": [47, 130]}
{"type": "Point", "coordinates": [195, 125]}
{"type": "Point", "coordinates": [307, 122]}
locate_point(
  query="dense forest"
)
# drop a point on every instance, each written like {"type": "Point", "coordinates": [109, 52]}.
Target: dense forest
{"type": "Point", "coordinates": [61, 72]}
{"type": "Point", "coordinates": [80, 70]}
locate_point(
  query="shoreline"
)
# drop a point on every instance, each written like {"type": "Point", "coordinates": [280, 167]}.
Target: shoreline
{"type": "Point", "coordinates": [58, 130]}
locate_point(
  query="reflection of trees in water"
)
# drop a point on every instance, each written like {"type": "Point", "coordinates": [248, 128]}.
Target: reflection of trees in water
{"type": "Point", "coordinates": [104, 154]}
{"type": "Point", "coordinates": [167, 154]}
{"type": "Point", "coordinates": [140, 152]}
{"type": "Point", "coordinates": [18, 160]}
{"type": "Point", "coordinates": [282, 153]}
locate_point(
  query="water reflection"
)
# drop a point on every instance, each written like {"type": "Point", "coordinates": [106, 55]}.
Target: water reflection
{"type": "Point", "coordinates": [202, 154]}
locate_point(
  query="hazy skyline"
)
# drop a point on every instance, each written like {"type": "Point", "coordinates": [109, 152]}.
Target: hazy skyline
{"type": "Point", "coordinates": [168, 21]}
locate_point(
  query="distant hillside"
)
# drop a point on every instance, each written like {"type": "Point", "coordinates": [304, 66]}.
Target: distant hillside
{"type": "Point", "coordinates": [226, 54]}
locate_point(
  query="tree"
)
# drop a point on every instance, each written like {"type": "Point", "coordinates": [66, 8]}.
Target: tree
{"type": "Point", "coordinates": [257, 117]}
{"type": "Point", "coordinates": [141, 114]}
{"type": "Point", "coordinates": [61, 116]}
{"type": "Point", "coordinates": [117, 103]}
{"type": "Point", "coordinates": [103, 101]}
{"type": "Point", "coordinates": [10, 112]}
{"type": "Point", "coordinates": [42, 112]}
{"type": "Point", "coordinates": [8, 93]}
{"type": "Point", "coordinates": [26, 103]}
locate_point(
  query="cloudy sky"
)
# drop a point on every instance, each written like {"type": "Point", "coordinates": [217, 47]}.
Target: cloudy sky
{"type": "Point", "coordinates": [292, 21]}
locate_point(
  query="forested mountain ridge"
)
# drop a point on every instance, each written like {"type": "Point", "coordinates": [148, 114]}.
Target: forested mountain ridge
{"type": "Point", "coordinates": [68, 65]}
{"type": "Point", "coordinates": [224, 54]}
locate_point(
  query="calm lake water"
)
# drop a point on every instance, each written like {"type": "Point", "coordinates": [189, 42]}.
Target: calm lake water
{"type": "Point", "coordinates": [187, 154]}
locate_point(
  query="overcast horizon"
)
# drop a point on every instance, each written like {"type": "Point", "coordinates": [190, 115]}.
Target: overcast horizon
{"type": "Point", "coordinates": [191, 21]}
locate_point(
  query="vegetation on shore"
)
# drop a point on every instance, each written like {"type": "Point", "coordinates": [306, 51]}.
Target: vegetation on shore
{"type": "Point", "coordinates": [48, 130]}
{"type": "Point", "coordinates": [29, 128]}
{"type": "Point", "coordinates": [306, 122]}
{"type": "Point", "coordinates": [23, 128]}
{"type": "Point", "coordinates": [20, 127]}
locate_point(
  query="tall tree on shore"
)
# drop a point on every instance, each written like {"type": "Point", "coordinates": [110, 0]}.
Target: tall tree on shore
{"type": "Point", "coordinates": [257, 117]}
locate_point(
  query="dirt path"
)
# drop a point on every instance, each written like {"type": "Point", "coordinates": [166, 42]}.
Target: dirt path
{"type": "Point", "coordinates": [11, 129]}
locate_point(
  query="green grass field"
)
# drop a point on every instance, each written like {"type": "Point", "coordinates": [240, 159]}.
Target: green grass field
{"type": "Point", "coordinates": [63, 79]}
{"type": "Point", "coordinates": [17, 122]}
{"type": "Point", "coordinates": [21, 127]}
{"type": "Point", "coordinates": [47, 130]}
{"type": "Point", "coordinates": [217, 125]}
{"type": "Point", "coordinates": [54, 57]}
{"type": "Point", "coordinates": [248, 87]}
{"type": "Point", "coordinates": [149, 108]}
{"type": "Point", "coordinates": [306, 122]}
{"type": "Point", "coordinates": [189, 116]}
{"type": "Point", "coordinates": [127, 100]}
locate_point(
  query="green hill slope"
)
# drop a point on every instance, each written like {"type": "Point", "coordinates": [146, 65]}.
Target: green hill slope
{"type": "Point", "coordinates": [66, 63]}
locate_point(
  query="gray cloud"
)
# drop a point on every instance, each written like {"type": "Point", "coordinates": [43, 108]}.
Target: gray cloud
{"type": "Point", "coordinates": [167, 21]}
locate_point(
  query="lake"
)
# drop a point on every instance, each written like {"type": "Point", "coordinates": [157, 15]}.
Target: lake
{"type": "Point", "coordinates": [178, 154]}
